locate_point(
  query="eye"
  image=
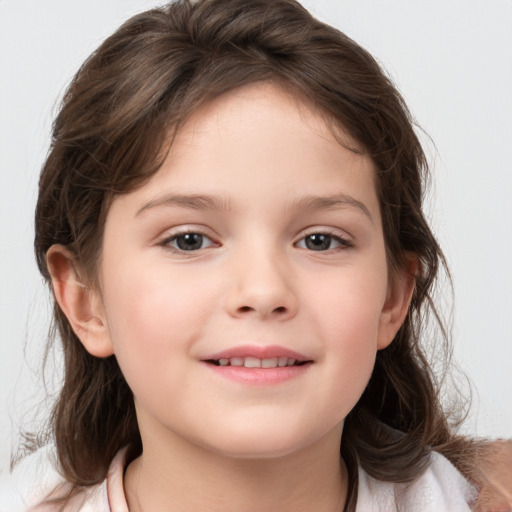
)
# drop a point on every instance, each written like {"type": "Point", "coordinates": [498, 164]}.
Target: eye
{"type": "Point", "coordinates": [188, 242]}
{"type": "Point", "coordinates": [323, 242]}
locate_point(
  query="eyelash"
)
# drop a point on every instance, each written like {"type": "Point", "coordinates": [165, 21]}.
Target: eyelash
{"type": "Point", "coordinates": [344, 243]}
{"type": "Point", "coordinates": [166, 243]}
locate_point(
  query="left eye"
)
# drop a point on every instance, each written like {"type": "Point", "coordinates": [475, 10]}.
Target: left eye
{"type": "Point", "coordinates": [322, 242]}
{"type": "Point", "coordinates": [188, 242]}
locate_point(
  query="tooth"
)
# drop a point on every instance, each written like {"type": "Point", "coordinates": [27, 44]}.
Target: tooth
{"type": "Point", "coordinates": [252, 362]}
{"type": "Point", "coordinates": [283, 361]}
{"type": "Point", "coordinates": [223, 362]}
{"type": "Point", "coordinates": [269, 363]}
{"type": "Point", "coordinates": [290, 362]}
{"type": "Point", "coordinates": [236, 361]}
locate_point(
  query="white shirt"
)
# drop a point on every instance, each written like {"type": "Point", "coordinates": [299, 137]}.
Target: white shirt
{"type": "Point", "coordinates": [441, 488]}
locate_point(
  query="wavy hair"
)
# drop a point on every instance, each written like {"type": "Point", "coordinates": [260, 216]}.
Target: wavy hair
{"type": "Point", "coordinates": [109, 136]}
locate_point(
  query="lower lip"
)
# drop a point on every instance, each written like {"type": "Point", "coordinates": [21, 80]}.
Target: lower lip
{"type": "Point", "coordinates": [260, 376]}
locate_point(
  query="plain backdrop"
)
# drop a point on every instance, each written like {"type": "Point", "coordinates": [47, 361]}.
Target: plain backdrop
{"type": "Point", "coordinates": [452, 60]}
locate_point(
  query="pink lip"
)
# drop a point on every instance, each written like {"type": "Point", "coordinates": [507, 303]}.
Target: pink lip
{"type": "Point", "coordinates": [259, 376]}
{"type": "Point", "coordinates": [261, 352]}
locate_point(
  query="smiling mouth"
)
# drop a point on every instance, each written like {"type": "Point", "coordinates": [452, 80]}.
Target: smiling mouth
{"type": "Point", "coordinates": [255, 362]}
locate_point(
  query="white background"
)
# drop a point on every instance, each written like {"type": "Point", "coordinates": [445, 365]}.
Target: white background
{"type": "Point", "coordinates": [452, 60]}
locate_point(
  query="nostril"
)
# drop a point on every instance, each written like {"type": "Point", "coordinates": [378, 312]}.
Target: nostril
{"type": "Point", "coordinates": [247, 309]}
{"type": "Point", "coordinates": [263, 311]}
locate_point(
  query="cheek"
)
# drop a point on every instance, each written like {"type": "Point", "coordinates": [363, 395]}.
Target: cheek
{"type": "Point", "coordinates": [155, 299]}
{"type": "Point", "coordinates": [346, 314]}
{"type": "Point", "coordinates": [348, 306]}
{"type": "Point", "coordinates": [154, 316]}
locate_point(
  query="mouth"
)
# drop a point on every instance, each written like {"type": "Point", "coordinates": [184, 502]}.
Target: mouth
{"type": "Point", "coordinates": [258, 365]}
{"type": "Point", "coordinates": [256, 362]}
{"type": "Point", "coordinates": [257, 356]}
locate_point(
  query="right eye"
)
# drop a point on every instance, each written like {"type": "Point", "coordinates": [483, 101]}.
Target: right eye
{"type": "Point", "coordinates": [187, 242]}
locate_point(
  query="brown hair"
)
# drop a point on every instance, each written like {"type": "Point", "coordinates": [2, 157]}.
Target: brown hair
{"type": "Point", "coordinates": [108, 138]}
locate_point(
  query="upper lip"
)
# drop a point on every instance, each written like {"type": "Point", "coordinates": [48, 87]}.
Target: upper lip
{"type": "Point", "coordinates": [260, 352]}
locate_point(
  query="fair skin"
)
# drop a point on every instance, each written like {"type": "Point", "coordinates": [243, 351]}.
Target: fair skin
{"type": "Point", "coordinates": [284, 260]}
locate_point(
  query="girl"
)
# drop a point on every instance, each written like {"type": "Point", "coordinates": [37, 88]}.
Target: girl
{"type": "Point", "coordinates": [230, 219]}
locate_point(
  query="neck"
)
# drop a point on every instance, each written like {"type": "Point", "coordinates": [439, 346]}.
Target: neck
{"type": "Point", "coordinates": [190, 478]}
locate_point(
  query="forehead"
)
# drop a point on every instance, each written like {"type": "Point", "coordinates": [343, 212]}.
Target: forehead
{"type": "Point", "coordinates": [289, 109]}
{"type": "Point", "coordinates": [261, 142]}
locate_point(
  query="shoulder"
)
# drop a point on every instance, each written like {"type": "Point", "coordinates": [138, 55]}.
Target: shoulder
{"type": "Point", "coordinates": [494, 476]}
{"type": "Point", "coordinates": [34, 482]}
{"type": "Point", "coordinates": [440, 488]}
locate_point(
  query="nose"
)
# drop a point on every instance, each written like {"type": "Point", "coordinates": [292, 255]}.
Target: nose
{"type": "Point", "coordinates": [261, 286]}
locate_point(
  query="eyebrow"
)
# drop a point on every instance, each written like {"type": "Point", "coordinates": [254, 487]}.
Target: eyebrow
{"type": "Point", "coordinates": [337, 201]}
{"type": "Point", "coordinates": [193, 201]}
{"type": "Point", "coordinates": [213, 203]}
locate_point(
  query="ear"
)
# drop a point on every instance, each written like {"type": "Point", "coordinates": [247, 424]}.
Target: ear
{"type": "Point", "coordinates": [82, 306]}
{"type": "Point", "coordinates": [398, 299]}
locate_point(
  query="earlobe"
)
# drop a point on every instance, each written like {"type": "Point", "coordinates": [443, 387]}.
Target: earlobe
{"type": "Point", "coordinates": [81, 305]}
{"type": "Point", "coordinates": [397, 303]}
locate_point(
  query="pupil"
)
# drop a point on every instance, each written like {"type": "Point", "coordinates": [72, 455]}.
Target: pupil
{"type": "Point", "coordinates": [318, 242]}
{"type": "Point", "coordinates": [189, 241]}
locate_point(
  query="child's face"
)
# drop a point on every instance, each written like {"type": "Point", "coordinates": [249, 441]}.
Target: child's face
{"type": "Point", "coordinates": [288, 253]}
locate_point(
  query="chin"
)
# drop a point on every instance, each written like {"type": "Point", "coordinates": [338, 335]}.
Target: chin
{"type": "Point", "coordinates": [262, 443]}
{"type": "Point", "coordinates": [258, 451]}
